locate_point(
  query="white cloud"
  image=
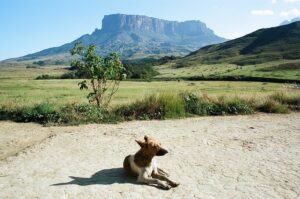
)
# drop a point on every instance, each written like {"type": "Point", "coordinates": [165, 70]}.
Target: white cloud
{"type": "Point", "coordinates": [274, 1]}
{"type": "Point", "coordinates": [262, 12]}
{"type": "Point", "coordinates": [291, 1]}
{"type": "Point", "coordinates": [295, 12]}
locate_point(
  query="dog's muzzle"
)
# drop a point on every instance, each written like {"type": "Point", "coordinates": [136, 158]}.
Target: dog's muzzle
{"type": "Point", "coordinates": [161, 152]}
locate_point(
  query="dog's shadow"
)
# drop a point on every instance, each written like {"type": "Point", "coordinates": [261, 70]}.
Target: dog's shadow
{"type": "Point", "coordinates": [103, 177]}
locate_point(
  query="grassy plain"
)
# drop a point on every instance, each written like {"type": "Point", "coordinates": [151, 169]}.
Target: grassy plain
{"type": "Point", "coordinates": [18, 87]}
{"type": "Point", "coordinates": [274, 69]}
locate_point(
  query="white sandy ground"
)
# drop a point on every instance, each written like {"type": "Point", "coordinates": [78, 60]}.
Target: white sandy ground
{"type": "Point", "coordinates": [255, 156]}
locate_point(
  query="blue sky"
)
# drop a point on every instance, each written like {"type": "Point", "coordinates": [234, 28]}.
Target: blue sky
{"type": "Point", "coordinates": [28, 26]}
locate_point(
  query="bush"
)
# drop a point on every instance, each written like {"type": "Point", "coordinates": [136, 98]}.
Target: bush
{"type": "Point", "coordinates": [196, 105]}
{"type": "Point", "coordinates": [43, 77]}
{"type": "Point", "coordinates": [174, 106]}
{"type": "Point", "coordinates": [41, 113]}
{"type": "Point", "coordinates": [85, 113]}
{"type": "Point", "coordinates": [69, 114]}
{"type": "Point", "coordinates": [153, 107]}
{"type": "Point", "coordinates": [291, 101]}
{"type": "Point", "coordinates": [205, 106]}
{"type": "Point", "coordinates": [69, 75]}
{"type": "Point", "coordinates": [271, 106]}
{"type": "Point", "coordinates": [177, 106]}
{"type": "Point", "coordinates": [159, 106]}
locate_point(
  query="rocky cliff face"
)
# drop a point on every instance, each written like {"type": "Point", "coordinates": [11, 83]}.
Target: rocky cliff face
{"type": "Point", "coordinates": [136, 36]}
{"type": "Point", "coordinates": [121, 22]}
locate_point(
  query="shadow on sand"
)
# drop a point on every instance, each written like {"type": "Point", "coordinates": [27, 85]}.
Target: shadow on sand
{"type": "Point", "coordinates": [103, 177]}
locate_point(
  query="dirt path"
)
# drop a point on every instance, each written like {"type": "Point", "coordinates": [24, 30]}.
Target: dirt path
{"type": "Point", "coordinates": [255, 156]}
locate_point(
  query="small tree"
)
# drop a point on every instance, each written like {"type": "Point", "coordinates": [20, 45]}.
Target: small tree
{"type": "Point", "coordinates": [104, 74]}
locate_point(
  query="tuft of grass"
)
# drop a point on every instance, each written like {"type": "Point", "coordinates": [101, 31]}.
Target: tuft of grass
{"type": "Point", "coordinates": [271, 106]}
{"type": "Point", "coordinates": [221, 106]}
{"type": "Point", "coordinates": [182, 105]}
{"type": "Point", "coordinates": [85, 113]}
{"type": "Point", "coordinates": [292, 101]}
{"type": "Point", "coordinates": [40, 113]}
{"type": "Point", "coordinates": [159, 106]}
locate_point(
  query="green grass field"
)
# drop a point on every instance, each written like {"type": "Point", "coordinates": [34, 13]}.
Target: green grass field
{"type": "Point", "coordinates": [266, 70]}
{"type": "Point", "coordinates": [18, 87]}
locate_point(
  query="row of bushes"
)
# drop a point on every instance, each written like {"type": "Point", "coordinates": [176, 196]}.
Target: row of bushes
{"type": "Point", "coordinates": [46, 113]}
{"type": "Point", "coordinates": [184, 105]}
{"type": "Point", "coordinates": [160, 106]}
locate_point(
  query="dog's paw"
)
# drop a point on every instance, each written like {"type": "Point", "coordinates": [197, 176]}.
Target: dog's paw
{"type": "Point", "coordinates": [166, 186]}
{"type": "Point", "coordinates": [174, 184]}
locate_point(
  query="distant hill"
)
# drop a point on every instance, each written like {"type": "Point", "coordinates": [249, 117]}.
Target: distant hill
{"type": "Point", "coordinates": [286, 22]}
{"type": "Point", "coordinates": [261, 46]}
{"type": "Point", "coordinates": [136, 36]}
{"type": "Point", "coordinates": [271, 55]}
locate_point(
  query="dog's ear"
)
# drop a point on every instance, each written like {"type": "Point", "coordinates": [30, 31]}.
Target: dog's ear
{"type": "Point", "coordinates": [141, 143]}
{"type": "Point", "coordinates": [146, 138]}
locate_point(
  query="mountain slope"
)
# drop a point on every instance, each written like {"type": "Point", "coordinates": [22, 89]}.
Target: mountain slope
{"type": "Point", "coordinates": [136, 36]}
{"type": "Point", "coordinates": [261, 46]}
{"type": "Point", "coordinates": [271, 54]}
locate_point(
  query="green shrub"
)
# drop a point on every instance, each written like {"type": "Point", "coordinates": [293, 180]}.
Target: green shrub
{"type": "Point", "coordinates": [85, 113]}
{"type": "Point", "coordinates": [173, 105]}
{"type": "Point", "coordinates": [69, 114]}
{"type": "Point", "coordinates": [205, 106]}
{"type": "Point", "coordinates": [153, 107]}
{"type": "Point", "coordinates": [238, 106]}
{"type": "Point", "coordinates": [159, 106]}
{"type": "Point", "coordinates": [40, 113]}
{"type": "Point", "coordinates": [195, 105]}
{"type": "Point", "coordinates": [148, 108]}
{"type": "Point", "coordinates": [292, 101]}
{"type": "Point", "coordinates": [271, 106]}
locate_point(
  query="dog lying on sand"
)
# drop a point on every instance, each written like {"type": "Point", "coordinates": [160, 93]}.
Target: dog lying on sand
{"type": "Point", "coordinates": [143, 165]}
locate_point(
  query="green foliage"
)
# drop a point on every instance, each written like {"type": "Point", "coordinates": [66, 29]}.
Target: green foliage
{"type": "Point", "coordinates": [104, 74]}
{"type": "Point", "coordinates": [40, 63]}
{"type": "Point", "coordinates": [158, 106]}
{"type": "Point", "coordinates": [85, 113]}
{"type": "Point", "coordinates": [174, 106]}
{"type": "Point", "coordinates": [153, 107]}
{"type": "Point", "coordinates": [271, 106]}
{"type": "Point", "coordinates": [232, 107]}
{"type": "Point", "coordinates": [41, 113]}
{"type": "Point", "coordinates": [196, 105]}
{"type": "Point", "coordinates": [70, 114]}
{"type": "Point", "coordinates": [293, 102]}
{"type": "Point", "coordinates": [206, 106]}
{"type": "Point", "coordinates": [140, 71]}
{"type": "Point", "coordinates": [178, 106]}
{"type": "Point", "coordinates": [45, 76]}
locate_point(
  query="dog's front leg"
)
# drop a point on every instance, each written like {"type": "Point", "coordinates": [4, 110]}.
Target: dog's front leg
{"type": "Point", "coordinates": [145, 178]}
{"type": "Point", "coordinates": [164, 178]}
{"type": "Point", "coordinates": [162, 172]}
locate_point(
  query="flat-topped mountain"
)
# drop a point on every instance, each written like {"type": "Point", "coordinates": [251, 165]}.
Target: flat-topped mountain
{"type": "Point", "coordinates": [121, 22]}
{"type": "Point", "coordinates": [136, 36]}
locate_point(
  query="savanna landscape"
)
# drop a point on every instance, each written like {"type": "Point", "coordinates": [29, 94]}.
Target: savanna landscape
{"type": "Point", "coordinates": [227, 110]}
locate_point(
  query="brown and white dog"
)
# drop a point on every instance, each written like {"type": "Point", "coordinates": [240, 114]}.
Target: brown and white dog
{"type": "Point", "coordinates": [143, 165]}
